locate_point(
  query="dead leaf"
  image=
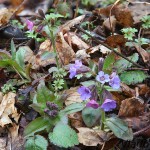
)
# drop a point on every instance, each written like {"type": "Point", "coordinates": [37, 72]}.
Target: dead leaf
{"type": "Point", "coordinates": [8, 109]}
{"type": "Point", "coordinates": [127, 90]}
{"type": "Point", "coordinates": [64, 51]}
{"type": "Point", "coordinates": [72, 96]}
{"type": "Point", "coordinates": [129, 107]}
{"type": "Point", "coordinates": [115, 40]}
{"type": "Point", "coordinates": [5, 15]}
{"type": "Point", "coordinates": [145, 55]}
{"type": "Point", "coordinates": [3, 143]}
{"type": "Point", "coordinates": [66, 27]}
{"type": "Point", "coordinates": [75, 42]}
{"type": "Point", "coordinates": [76, 120]}
{"type": "Point", "coordinates": [88, 137]}
{"type": "Point", "coordinates": [110, 23]}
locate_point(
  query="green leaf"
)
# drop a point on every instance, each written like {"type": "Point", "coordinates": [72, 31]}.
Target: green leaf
{"type": "Point", "coordinates": [9, 62]}
{"type": "Point", "coordinates": [133, 77]}
{"type": "Point", "coordinates": [90, 116]}
{"type": "Point", "coordinates": [37, 142]}
{"type": "Point", "coordinates": [123, 64]}
{"type": "Point", "coordinates": [39, 124]}
{"type": "Point", "coordinates": [4, 55]}
{"type": "Point", "coordinates": [88, 83]}
{"type": "Point", "coordinates": [20, 56]}
{"type": "Point", "coordinates": [119, 128]}
{"type": "Point", "coordinates": [75, 107]}
{"type": "Point", "coordinates": [63, 136]}
{"type": "Point", "coordinates": [13, 50]}
{"type": "Point", "coordinates": [47, 55]}
{"type": "Point", "coordinates": [44, 94]}
{"type": "Point", "coordinates": [108, 63]}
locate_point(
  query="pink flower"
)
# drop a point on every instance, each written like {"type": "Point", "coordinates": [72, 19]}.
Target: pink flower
{"type": "Point", "coordinates": [93, 104]}
{"type": "Point", "coordinates": [30, 25]}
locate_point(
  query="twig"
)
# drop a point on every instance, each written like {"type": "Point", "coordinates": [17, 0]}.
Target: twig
{"type": "Point", "coordinates": [99, 42]}
{"type": "Point", "coordinates": [141, 131]}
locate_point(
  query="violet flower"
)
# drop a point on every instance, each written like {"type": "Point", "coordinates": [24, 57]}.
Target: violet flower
{"type": "Point", "coordinates": [74, 67]}
{"type": "Point", "coordinates": [108, 105]}
{"type": "Point", "coordinates": [102, 78]}
{"type": "Point", "coordinates": [30, 25]}
{"type": "Point", "coordinates": [114, 81]}
{"type": "Point", "coordinates": [93, 104]}
{"type": "Point", "coordinates": [84, 92]}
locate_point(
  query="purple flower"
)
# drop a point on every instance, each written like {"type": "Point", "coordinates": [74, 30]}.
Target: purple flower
{"type": "Point", "coordinates": [93, 104]}
{"type": "Point", "coordinates": [84, 92]}
{"type": "Point", "coordinates": [108, 105]}
{"type": "Point", "coordinates": [30, 25]}
{"type": "Point", "coordinates": [115, 82]}
{"type": "Point", "coordinates": [102, 78]}
{"type": "Point", "coordinates": [74, 68]}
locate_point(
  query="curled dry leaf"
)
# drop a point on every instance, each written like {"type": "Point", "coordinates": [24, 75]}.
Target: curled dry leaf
{"type": "Point", "coordinates": [72, 96]}
{"type": "Point", "coordinates": [8, 109]}
{"type": "Point", "coordinates": [65, 52]}
{"type": "Point", "coordinates": [75, 42]}
{"type": "Point", "coordinates": [127, 90]}
{"type": "Point", "coordinates": [91, 137]}
{"type": "Point", "coordinates": [5, 15]}
{"type": "Point", "coordinates": [129, 107]}
{"type": "Point", "coordinates": [66, 27]}
{"type": "Point", "coordinates": [110, 23]}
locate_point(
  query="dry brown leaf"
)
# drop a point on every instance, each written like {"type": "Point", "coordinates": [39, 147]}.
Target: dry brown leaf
{"type": "Point", "coordinates": [110, 23]}
{"type": "Point", "coordinates": [66, 27]}
{"type": "Point", "coordinates": [127, 90]}
{"type": "Point", "coordinates": [145, 55]}
{"type": "Point", "coordinates": [88, 137]}
{"type": "Point", "coordinates": [14, 131]}
{"type": "Point", "coordinates": [76, 120]}
{"type": "Point", "coordinates": [75, 42]}
{"type": "Point", "coordinates": [64, 51]}
{"type": "Point", "coordinates": [8, 109]}
{"type": "Point", "coordinates": [144, 90]}
{"type": "Point", "coordinates": [5, 15]}
{"type": "Point", "coordinates": [72, 96]}
{"type": "Point", "coordinates": [131, 107]}
{"type": "Point", "coordinates": [115, 40]}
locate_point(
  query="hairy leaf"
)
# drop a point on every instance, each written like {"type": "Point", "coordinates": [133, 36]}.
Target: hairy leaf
{"type": "Point", "coordinates": [133, 77]}
{"type": "Point", "coordinates": [90, 116]}
{"type": "Point", "coordinates": [63, 136]}
{"type": "Point", "coordinates": [119, 128]}
{"type": "Point", "coordinates": [37, 142]}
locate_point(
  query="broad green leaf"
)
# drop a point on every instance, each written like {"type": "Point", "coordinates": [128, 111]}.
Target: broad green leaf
{"type": "Point", "coordinates": [9, 62]}
{"type": "Point", "coordinates": [63, 136]}
{"type": "Point", "coordinates": [39, 124]}
{"type": "Point", "coordinates": [122, 64]}
{"type": "Point", "coordinates": [133, 77]}
{"type": "Point", "coordinates": [37, 142]}
{"type": "Point", "coordinates": [119, 128]}
{"type": "Point", "coordinates": [20, 56]}
{"type": "Point", "coordinates": [75, 107]}
{"type": "Point", "coordinates": [90, 116]}
{"type": "Point", "coordinates": [108, 63]}
{"type": "Point", "coordinates": [44, 94]}
{"type": "Point", "coordinates": [13, 50]}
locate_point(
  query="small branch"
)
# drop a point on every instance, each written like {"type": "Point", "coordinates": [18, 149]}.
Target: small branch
{"type": "Point", "coordinates": [141, 131]}
{"type": "Point", "coordinates": [99, 42]}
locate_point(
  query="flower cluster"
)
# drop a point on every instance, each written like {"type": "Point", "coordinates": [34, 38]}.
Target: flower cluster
{"type": "Point", "coordinates": [113, 79]}
{"type": "Point", "coordinates": [52, 109]}
{"type": "Point", "coordinates": [74, 68]}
